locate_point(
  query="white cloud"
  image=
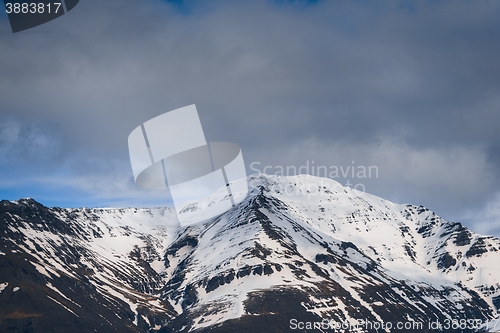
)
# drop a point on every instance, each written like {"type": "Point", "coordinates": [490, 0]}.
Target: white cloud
{"type": "Point", "coordinates": [487, 219]}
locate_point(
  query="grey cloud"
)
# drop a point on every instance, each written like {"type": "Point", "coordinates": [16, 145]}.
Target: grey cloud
{"type": "Point", "coordinates": [269, 77]}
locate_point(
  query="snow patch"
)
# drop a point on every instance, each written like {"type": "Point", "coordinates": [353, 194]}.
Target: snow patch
{"type": "Point", "coordinates": [62, 305]}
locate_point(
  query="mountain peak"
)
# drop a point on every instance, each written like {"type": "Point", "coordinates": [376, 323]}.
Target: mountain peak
{"type": "Point", "coordinates": [23, 201]}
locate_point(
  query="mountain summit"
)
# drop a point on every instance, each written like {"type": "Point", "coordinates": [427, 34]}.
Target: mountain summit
{"type": "Point", "coordinates": [299, 252]}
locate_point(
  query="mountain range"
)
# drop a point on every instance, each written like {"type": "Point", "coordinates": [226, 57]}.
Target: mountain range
{"type": "Point", "coordinates": [299, 254]}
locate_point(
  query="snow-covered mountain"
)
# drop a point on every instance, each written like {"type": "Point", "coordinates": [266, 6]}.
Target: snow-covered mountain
{"type": "Point", "coordinates": [296, 251]}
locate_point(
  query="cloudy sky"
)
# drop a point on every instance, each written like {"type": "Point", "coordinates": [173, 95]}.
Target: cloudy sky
{"type": "Point", "coordinates": [411, 87]}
